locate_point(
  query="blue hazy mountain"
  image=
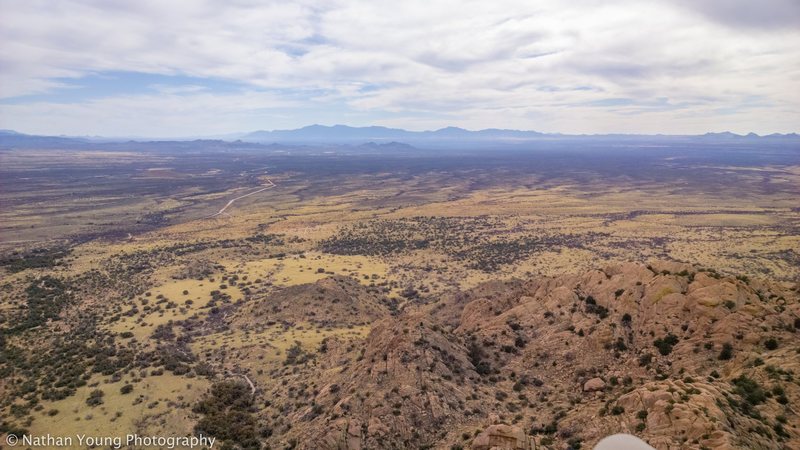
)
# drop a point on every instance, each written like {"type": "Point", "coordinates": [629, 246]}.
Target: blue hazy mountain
{"type": "Point", "coordinates": [449, 136]}
{"type": "Point", "coordinates": [339, 134]}
{"type": "Point", "coordinates": [388, 139]}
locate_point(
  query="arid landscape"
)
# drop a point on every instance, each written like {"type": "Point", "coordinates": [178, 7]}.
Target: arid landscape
{"type": "Point", "coordinates": [416, 225]}
{"type": "Point", "coordinates": [385, 296]}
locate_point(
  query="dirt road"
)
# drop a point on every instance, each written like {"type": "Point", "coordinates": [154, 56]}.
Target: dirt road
{"type": "Point", "coordinates": [232, 201]}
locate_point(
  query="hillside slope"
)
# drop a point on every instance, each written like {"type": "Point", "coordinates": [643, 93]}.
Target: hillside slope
{"type": "Point", "coordinates": [680, 357]}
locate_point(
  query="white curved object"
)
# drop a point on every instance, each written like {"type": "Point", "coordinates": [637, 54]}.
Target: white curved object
{"type": "Point", "coordinates": [622, 442]}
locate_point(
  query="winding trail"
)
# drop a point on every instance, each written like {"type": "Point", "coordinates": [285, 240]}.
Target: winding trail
{"type": "Point", "coordinates": [252, 386]}
{"type": "Point", "coordinates": [235, 374]}
{"type": "Point", "coordinates": [231, 202]}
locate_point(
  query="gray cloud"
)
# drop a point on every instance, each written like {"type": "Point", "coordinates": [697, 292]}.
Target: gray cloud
{"type": "Point", "coordinates": [421, 64]}
{"type": "Point", "coordinates": [760, 14]}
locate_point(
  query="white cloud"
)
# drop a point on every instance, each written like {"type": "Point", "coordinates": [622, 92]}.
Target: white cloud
{"type": "Point", "coordinates": [685, 66]}
{"type": "Point", "coordinates": [171, 113]}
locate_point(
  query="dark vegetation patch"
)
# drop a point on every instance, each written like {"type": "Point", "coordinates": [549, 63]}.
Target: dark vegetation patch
{"type": "Point", "coordinates": [593, 308]}
{"type": "Point", "coordinates": [665, 344]}
{"type": "Point", "coordinates": [56, 370]}
{"type": "Point", "coordinates": [40, 258]}
{"type": "Point", "coordinates": [45, 297]}
{"type": "Point", "coordinates": [296, 355]}
{"type": "Point", "coordinates": [228, 414]}
{"type": "Point", "coordinates": [484, 243]}
{"type": "Point", "coordinates": [148, 259]}
{"type": "Point", "coordinates": [479, 359]}
{"type": "Point", "coordinates": [751, 393]}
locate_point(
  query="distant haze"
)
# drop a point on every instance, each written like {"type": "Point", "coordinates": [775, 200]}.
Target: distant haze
{"type": "Point", "coordinates": [201, 68]}
{"type": "Point", "coordinates": [393, 140]}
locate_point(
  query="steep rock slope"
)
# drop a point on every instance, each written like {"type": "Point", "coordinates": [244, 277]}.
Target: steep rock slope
{"type": "Point", "coordinates": [682, 357]}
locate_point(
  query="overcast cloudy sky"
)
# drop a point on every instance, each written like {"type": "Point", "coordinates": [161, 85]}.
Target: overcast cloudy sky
{"type": "Point", "coordinates": [192, 68]}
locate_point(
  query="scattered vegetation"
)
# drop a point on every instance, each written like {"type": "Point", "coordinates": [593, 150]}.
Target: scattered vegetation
{"type": "Point", "coordinates": [227, 412]}
{"type": "Point", "coordinates": [473, 240]}
{"type": "Point", "coordinates": [41, 258]}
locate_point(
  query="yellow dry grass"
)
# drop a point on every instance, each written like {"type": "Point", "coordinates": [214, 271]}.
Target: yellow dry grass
{"type": "Point", "coordinates": [165, 397]}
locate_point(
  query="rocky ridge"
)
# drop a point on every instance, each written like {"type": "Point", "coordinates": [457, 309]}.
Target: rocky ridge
{"type": "Point", "coordinates": [679, 356]}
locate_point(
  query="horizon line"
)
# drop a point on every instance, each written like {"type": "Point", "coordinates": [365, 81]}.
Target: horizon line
{"type": "Point", "coordinates": [238, 135]}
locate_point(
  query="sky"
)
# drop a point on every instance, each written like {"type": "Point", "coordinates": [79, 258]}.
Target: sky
{"type": "Point", "coordinates": [183, 68]}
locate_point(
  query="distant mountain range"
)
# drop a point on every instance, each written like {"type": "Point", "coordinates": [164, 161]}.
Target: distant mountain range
{"type": "Point", "coordinates": [338, 134]}
{"type": "Point", "coordinates": [344, 133]}
{"type": "Point", "coordinates": [445, 137]}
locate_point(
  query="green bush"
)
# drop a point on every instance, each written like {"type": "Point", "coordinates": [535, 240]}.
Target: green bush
{"type": "Point", "coordinates": [727, 352]}
{"type": "Point", "coordinates": [749, 390]}
{"type": "Point", "coordinates": [666, 343]}
{"type": "Point", "coordinates": [771, 344]}
{"type": "Point", "coordinates": [227, 415]}
{"type": "Point", "coordinates": [95, 398]}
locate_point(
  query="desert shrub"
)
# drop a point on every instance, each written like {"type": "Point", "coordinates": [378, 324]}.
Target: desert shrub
{"type": "Point", "coordinates": [296, 355]}
{"type": "Point", "coordinates": [574, 444]}
{"type": "Point", "coordinates": [730, 304]}
{"type": "Point", "coordinates": [176, 358]}
{"type": "Point", "coordinates": [780, 430]}
{"type": "Point", "coordinates": [550, 428]}
{"type": "Point", "coordinates": [164, 332]}
{"type": "Point", "coordinates": [227, 415]}
{"type": "Point", "coordinates": [666, 343]}
{"type": "Point", "coordinates": [727, 352]}
{"type": "Point", "coordinates": [593, 308]}
{"type": "Point", "coordinates": [95, 398]}
{"type": "Point", "coordinates": [749, 390]}
{"type": "Point", "coordinates": [476, 357]}
{"type": "Point", "coordinates": [509, 349]}
{"type": "Point", "coordinates": [743, 278]}
{"type": "Point", "coordinates": [204, 369]}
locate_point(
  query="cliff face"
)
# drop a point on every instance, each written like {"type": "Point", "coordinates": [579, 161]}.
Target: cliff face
{"type": "Point", "coordinates": [680, 357]}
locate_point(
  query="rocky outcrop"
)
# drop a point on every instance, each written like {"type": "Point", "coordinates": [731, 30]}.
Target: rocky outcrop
{"type": "Point", "coordinates": [502, 437]}
{"type": "Point", "coordinates": [672, 354]}
{"type": "Point", "coordinates": [595, 384]}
